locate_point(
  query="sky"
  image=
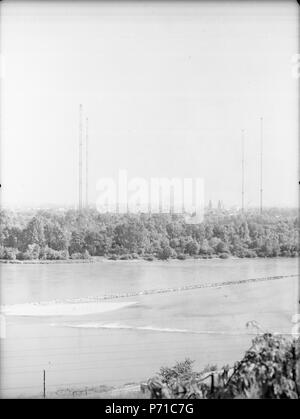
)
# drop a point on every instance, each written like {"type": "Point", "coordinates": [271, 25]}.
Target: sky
{"type": "Point", "coordinates": [167, 88]}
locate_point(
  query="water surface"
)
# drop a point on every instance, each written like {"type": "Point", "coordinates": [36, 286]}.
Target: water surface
{"type": "Point", "coordinates": [129, 339]}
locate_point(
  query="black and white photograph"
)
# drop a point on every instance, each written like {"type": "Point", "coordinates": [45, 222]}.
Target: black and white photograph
{"type": "Point", "coordinates": [149, 219]}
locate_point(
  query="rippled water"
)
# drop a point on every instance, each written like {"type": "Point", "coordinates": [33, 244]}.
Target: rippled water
{"type": "Point", "coordinates": [54, 321]}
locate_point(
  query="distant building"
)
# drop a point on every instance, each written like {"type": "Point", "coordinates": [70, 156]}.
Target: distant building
{"type": "Point", "coordinates": [220, 205]}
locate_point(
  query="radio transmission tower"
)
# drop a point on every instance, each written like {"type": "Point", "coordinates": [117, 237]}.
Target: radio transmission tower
{"type": "Point", "coordinates": [243, 170]}
{"type": "Point", "coordinates": [87, 162]}
{"type": "Point", "coordinates": [80, 159]}
{"type": "Point", "coordinates": [261, 164]}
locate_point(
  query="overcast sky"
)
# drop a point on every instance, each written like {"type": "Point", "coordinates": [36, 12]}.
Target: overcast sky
{"type": "Point", "coordinates": [167, 89]}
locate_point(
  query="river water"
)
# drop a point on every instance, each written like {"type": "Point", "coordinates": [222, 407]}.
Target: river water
{"type": "Point", "coordinates": [53, 319]}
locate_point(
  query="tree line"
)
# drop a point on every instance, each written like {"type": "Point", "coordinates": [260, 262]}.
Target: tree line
{"type": "Point", "coordinates": [54, 235]}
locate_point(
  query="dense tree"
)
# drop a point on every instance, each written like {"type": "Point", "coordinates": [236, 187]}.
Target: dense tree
{"type": "Point", "coordinates": [192, 247]}
{"type": "Point", "coordinates": [55, 236]}
{"type": "Point", "coordinates": [34, 233]}
{"type": "Point", "coordinates": [80, 234]}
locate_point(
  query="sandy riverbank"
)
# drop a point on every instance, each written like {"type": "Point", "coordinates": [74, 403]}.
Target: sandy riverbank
{"type": "Point", "coordinates": [102, 259]}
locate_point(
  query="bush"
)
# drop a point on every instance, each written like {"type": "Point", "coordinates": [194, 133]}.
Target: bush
{"type": "Point", "coordinates": [222, 248]}
{"type": "Point", "coordinates": [113, 257]}
{"type": "Point", "coordinates": [269, 367]}
{"type": "Point", "coordinates": [192, 248]}
{"type": "Point", "coordinates": [21, 256]}
{"type": "Point", "coordinates": [223, 255]}
{"type": "Point", "coordinates": [166, 253]}
{"type": "Point", "coordinates": [86, 255]}
{"type": "Point", "coordinates": [269, 370]}
{"type": "Point", "coordinates": [125, 257]}
{"type": "Point", "coordinates": [50, 254]}
{"type": "Point", "coordinates": [178, 370]}
{"type": "Point", "coordinates": [76, 255]}
{"type": "Point", "coordinates": [32, 252]}
{"type": "Point", "coordinates": [8, 253]}
{"type": "Point", "coordinates": [249, 253]}
{"type": "Point", "coordinates": [181, 256]}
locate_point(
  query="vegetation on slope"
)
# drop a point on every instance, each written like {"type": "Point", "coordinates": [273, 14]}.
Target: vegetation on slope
{"type": "Point", "coordinates": [270, 369]}
{"type": "Point", "coordinates": [54, 235]}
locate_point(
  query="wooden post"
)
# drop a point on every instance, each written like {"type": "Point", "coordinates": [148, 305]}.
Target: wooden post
{"type": "Point", "coordinates": [44, 384]}
{"type": "Point", "coordinates": [295, 368]}
{"type": "Point", "coordinates": [212, 388]}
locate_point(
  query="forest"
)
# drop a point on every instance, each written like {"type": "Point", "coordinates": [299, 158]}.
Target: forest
{"type": "Point", "coordinates": [72, 234]}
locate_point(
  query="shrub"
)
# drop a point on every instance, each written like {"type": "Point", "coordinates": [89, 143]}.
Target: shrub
{"type": "Point", "coordinates": [9, 253]}
{"type": "Point", "coordinates": [223, 255]}
{"type": "Point", "coordinates": [222, 248]}
{"type": "Point", "coordinates": [249, 253]}
{"type": "Point", "coordinates": [76, 255]}
{"type": "Point", "coordinates": [192, 248]}
{"type": "Point", "coordinates": [125, 257]}
{"type": "Point", "coordinates": [32, 252]}
{"type": "Point", "coordinates": [269, 369]}
{"type": "Point", "coordinates": [178, 370]}
{"type": "Point", "coordinates": [113, 257]}
{"type": "Point", "coordinates": [21, 256]}
{"type": "Point", "coordinates": [86, 255]}
{"type": "Point", "coordinates": [51, 254]}
{"type": "Point", "coordinates": [166, 253]}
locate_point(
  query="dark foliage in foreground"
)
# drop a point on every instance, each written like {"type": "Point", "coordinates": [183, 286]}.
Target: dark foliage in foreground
{"type": "Point", "coordinates": [60, 235]}
{"type": "Point", "coordinates": [270, 369]}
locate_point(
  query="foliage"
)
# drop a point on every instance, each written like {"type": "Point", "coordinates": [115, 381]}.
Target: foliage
{"type": "Point", "coordinates": [269, 369]}
{"type": "Point", "coordinates": [178, 370]}
{"type": "Point", "coordinates": [51, 254]}
{"type": "Point", "coordinates": [79, 255]}
{"type": "Point", "coordinates": [33, 251]}
{"type": "Point", "coordinates": [162, 236]}
{"type": "Point", "coordinates": [8, 253]}
{"type": "Point", "coordinates": [209, 368]}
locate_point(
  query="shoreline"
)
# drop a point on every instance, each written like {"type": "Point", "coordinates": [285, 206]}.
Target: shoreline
{"type": "Point", "coordinates": [103, 259]}
{"type": "Point", "coordinates": [44, 261]}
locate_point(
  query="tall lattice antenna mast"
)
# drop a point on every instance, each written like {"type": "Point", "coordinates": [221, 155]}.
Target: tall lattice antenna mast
{"type": "Point", "coordinates": [80, 159]}
{"type": "Point", "coordinates": [243, 170]}
{"type": "Point", "coordinates": [87, 162]}
{"type": "Point", "coordinates": [261, 164]}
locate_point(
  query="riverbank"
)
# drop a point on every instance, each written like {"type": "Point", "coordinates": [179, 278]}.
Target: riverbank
{"type": "Point", "coordinates": [100, 259]}
{"type": "Point", "coordinates": [127, 391]}
{"type": "Point", "coordinates": [45, 261]}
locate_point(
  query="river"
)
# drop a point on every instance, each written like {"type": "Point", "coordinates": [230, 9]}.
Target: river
{"type": "Point", "coordinates": [53, 318]}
